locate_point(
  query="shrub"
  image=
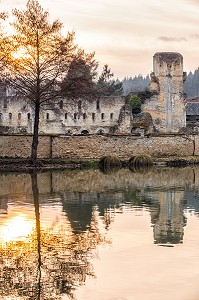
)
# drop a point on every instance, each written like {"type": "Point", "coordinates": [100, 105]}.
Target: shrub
{"type": "Point", "coordinates": [110, 163]}
{"type": "Point", "coordinates": [140, 161]}
{"type": "Point", "coordinates": [135, 103]}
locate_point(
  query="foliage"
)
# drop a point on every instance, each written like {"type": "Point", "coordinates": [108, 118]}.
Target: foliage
{"type": "Point", "coordinates": [39, 57]}
{"type": "Point", "coordinates": [140, 161]}
{"type": "Point", "coordinates": [135, 103]}
{"type": "Point", "coordinates": [137, 84]}
{"type": "Point", "coordinates": [191, 85]}
{"type": "Point", "coordinates": [79, 80]}
{"type": "Point", "coordinates": [107, 85]}
{"type": "Point", "coordinates": [110, 163]}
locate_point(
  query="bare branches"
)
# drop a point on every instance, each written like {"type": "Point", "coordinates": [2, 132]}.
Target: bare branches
{"type": "Point", "coordinates": [36, 58]}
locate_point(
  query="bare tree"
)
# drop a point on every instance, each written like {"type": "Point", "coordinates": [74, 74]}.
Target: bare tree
{"type": "Point", "coordinates": [39, 58]}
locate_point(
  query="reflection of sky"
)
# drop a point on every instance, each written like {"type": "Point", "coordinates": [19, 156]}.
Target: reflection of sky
{"type": "Point", "coordinates": [134, 268]}
{"type": "Point", "coordinates": [122, 33]}
{"type": "Point", "coordinates": [131, 266]}
{"type": "Point", "coordinates": [19, 222]}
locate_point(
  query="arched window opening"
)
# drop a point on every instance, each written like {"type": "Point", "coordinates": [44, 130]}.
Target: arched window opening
{"type": "Point", "coordinates": [100, 131]}
{"type": "Point", "coordinates": [111, 116]}
{"type": "Point", "coordinates": [66, 116]}
{"type": "Point", "coordinates": [1, 117]}
{"type": "Point", "coordinates": [85, 132]}
{"type": "Point", "coordinates": [102, 116]}
{"type": "Point", "coordinates": [98, 104]}
{"type": "Point", "coordinates": [10, 116]}
{"type": "Point", "coordinates": [84, 116]}
{"type": "Point", "coordinates": [93, 116]}
{"type": "Point", "coordinates": [75, 116]}
{"type": "Point", "coordinates": [79, 104]}
{"type": "Point", "coordinates": [19, 116]}
{"type": "Point", "coordinates": [61, 104]}
{"type": "Point", "coordinates": [69, 132]}
{"type": "Point", "coordinates": [28, 115]}
{"type": "Point", "coordinates": [47, 116]}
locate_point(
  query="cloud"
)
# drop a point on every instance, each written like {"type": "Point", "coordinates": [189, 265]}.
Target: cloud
{"type": "Point", "coordinates": [195, 36]}
{"type": "Point", "coordinates": [172, 39]}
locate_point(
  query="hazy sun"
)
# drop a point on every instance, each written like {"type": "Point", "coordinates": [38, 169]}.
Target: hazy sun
{"type": "Point", "coordinates": [16, 228]}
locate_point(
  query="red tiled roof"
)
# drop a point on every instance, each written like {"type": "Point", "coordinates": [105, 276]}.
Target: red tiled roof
{"type": "Point", "coordinates": [196, 100]}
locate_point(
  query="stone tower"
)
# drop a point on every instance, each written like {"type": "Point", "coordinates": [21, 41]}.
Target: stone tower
{"type": "Point", "coordinates": [167, 106]}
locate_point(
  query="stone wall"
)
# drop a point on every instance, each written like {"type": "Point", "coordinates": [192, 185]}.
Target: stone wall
{"type": "Point", "coordinates": [96, 146]}
{"type": "Point", "coordinates": [19, 146]}
{"type": "Point", "coordinates": [167, 106]}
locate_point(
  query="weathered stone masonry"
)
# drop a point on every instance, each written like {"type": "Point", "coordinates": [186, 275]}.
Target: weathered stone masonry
{"type": "Point", "coordinates": [96, 146]}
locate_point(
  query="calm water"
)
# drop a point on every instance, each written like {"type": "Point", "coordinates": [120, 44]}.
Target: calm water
{"type": "Point", "coordinates": [86, 235]}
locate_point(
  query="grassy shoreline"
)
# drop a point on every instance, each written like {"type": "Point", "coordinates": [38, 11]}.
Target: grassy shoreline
{"type": "Point", "coordinates": [24, 164]}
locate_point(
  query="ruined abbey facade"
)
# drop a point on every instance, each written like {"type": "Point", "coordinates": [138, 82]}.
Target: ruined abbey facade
{"type": "Point", "coordinates": [111, 115]}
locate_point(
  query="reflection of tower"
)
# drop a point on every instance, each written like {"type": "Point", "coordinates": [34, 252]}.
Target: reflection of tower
{"type": "Point", "coordinates": [168, 227]}
{"type": "Point", "coordinates": [78, 210]}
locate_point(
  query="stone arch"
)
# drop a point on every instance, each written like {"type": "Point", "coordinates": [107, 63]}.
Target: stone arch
{"type": "Point", "coordinates": [85, 132]}
{"type": "Point", "coordinates": [100, 131]}
{"type": "Point", "coordinates": [69, 132]}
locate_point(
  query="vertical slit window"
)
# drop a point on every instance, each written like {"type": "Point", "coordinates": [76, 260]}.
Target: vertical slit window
{"type": "Point", "coordinates": [79, 104]}
{"type": "Point", "coordinates": [98, 104]}
{"type": "Point", "coordinates": [61, 104]}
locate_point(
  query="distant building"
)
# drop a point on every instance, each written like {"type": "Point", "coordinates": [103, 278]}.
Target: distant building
{"type": "Point", "coordinates": [192, 112]}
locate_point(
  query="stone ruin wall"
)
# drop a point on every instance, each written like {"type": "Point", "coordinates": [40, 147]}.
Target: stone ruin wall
{"type": "Point", "coordinates": [66, 116]}
{"type": "Point", "coordinates": [110, 115]}
{"type": "Point", "coordinates": [167, 106]}
{"type": "Point", "coordinates": [94, 147]}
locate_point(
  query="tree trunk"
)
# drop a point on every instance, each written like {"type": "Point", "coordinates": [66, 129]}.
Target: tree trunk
{"type": "Point", "coordinates": [35, 140]}
{"type": "Point", "coordinates": [35, 191]}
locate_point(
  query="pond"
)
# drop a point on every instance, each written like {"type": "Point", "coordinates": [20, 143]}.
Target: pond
{"type": "Point", "coordinates": [88, 235]}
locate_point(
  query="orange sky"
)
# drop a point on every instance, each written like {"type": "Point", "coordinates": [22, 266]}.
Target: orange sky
{"type": "Point", "coordinates": [126, 34]}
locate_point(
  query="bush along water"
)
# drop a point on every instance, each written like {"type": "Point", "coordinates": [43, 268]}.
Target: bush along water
{"type": "Point", "coordinates": [109, 164]}
{"type": "Point", "coordinates": [140, 163]}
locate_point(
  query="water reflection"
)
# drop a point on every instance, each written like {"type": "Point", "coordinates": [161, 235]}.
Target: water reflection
{"type": "Point", "coordinates": [51, 223]}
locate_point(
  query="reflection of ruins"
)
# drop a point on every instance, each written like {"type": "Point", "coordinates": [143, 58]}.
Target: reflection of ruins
{"type": "Point", "coordinates": [76, 205]}
{"type": "Point", "coordinates": [168, 227]}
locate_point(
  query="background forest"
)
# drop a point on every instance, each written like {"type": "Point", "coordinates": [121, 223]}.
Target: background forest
{"type": "Point", "coordinates": [140, 83]}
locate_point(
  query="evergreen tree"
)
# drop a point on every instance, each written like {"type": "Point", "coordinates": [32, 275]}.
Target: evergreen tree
{"type": "Point", "coordinates": [135, 103]}
{"type": "Point", "coordinates": [107, 85]}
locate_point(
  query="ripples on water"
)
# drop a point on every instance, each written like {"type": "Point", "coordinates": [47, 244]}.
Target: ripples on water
{"type": "Point", "coordinates": [89, 235]}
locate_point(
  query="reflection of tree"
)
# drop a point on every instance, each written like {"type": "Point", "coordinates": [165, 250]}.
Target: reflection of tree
{"type": "Point", "coordinates": [50, 261]}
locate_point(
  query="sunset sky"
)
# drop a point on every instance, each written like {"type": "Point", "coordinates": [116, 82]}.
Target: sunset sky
{"type": "Point", "coordinates": [126, 34]}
